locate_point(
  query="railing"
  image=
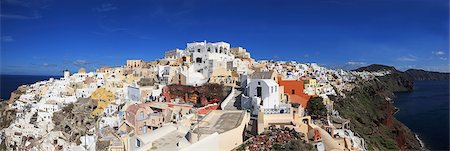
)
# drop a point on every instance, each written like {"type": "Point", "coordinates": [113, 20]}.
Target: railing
{"type": "Point", "coordinates": [276, 111]}
{"type": "Point", "coordinates": [148, 116]}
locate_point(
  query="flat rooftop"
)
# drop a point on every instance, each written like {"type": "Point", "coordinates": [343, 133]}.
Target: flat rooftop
{"type": "Point", "coordinates": [168, 142]}
{"type": "Point", "coordinates": [220, 121]}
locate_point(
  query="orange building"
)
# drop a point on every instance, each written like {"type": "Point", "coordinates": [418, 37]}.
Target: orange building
{"type": "Point", "coordinates": [294, 90]}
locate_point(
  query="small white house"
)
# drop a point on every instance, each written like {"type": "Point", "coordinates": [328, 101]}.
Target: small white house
{"type": "Point", "coordinates": [84, 92]}
{"type": "Point", "coordinates": [267, 90]}
{"type": "Point", "coordinates": [261, 95]}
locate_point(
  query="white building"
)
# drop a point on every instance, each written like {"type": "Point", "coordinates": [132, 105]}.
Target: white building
{"type": "Point", "coordinates": [134, 93]}
{"type": "Point", "coordinates": [66, 74]}
{"type": "Point", "coordinates": [194, 78]}
{"type": "Point", "coordinates": [84, 92]}
{"type": "Point", "coordinates": [207, 56]}
{"type": "Point", "coordinates": [238, 65]}
{"type": "Point", "coordinates": [175, 54]}
{"type": "Point", "coordinates": [262, 95]}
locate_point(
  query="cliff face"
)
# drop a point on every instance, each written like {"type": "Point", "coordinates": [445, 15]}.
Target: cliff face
{"type": "Point", "coordinates": [372, 117]}
{"type": "Point", "coordinates": [7, 115]}
{"type": "Point", "coordinates": [16, 93]}
{"type": "Point", "coordinates": [375, 67]}
{"type": "Point", "coordinates": [396, 81]}
{"type": "Point", "coordinates": [371, 114]}
{"type": "Point", "coordinates": [426, 75]}
{"type": "Point", "coordinates": [74, 118]}
{"type": "Point", "coordinates": [412, 74]}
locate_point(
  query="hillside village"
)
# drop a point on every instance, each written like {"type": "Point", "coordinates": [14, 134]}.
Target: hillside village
{"type": "Point", "coordinates": [207, 96]}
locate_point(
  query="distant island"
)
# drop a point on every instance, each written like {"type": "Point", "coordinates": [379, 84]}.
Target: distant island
{"type": "Point", "coordinates": [414, 74]}
{"type": "Point", "coordinates": [418, 74]}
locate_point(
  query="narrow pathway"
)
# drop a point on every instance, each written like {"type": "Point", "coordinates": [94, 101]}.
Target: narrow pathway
{"type": "Point", "coordinates": [234, 103]}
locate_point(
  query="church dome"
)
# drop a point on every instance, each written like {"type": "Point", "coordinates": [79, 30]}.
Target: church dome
{"type": "Point", "coordinates": [82, 70]}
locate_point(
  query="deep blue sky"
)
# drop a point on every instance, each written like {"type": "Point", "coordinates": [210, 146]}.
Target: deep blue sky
{"type": "Point", "coordinates": [45, 37]}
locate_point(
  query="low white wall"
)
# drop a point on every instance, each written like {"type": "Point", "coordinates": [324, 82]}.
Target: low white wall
{"type": "Point", "coordinates": [227, 99]}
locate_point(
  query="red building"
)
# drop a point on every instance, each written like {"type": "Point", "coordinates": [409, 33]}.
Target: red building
{"type": "Point", "coordinates": [294, 90]}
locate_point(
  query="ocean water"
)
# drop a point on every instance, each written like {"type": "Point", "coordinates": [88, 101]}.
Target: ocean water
{"type": "Point", "coordinates": [9, 83]}
{"type": "Point", "coordinates": [426, 112]}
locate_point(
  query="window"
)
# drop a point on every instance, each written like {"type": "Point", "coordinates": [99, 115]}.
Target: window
{"type": "Point", "coordinates": [141, 115]}
{"type": "Point", "coordinates": [145, 129]}
{"type": "Point", "coordinates": [209, 49]}
{"type": "Point", "coordinates": [198, 60]}
{"type": "Point", "coordinates": [198, 50]}
{"type": "Point", "coordinates": [293, 91]}
{"type": "Point", "coordinates": [138, 143]}
{"type": "Point", "coordinates": [216, 50]}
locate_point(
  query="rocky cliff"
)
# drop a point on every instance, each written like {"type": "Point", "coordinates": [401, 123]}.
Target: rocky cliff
{"type": "Point", "coordinates": [74, 119]}
{"type": "Point", "coordinates": [372, 114]}
{"type": "Point", "coordinates": [7, 115]}
{"type": "Point", "coordinates": [16, 93]}
{"type": "Point", "coordinates": [396, 81]}
{"type": "Point", "coordinates": [426, 75]}
{"type": "Point", "coordinates": [412, 74]}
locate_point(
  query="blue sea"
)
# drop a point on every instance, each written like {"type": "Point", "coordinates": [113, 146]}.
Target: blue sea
{"type": "Point", "coordinates": [9, 83]}
{"type": "Point", "coordinates": [426, 112]}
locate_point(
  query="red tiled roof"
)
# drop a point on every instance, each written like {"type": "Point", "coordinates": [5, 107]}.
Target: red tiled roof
{"type": "Point", "coordinates": [171, 105]}
{"type": "Point", "coordinates": [207, 109]}
{"type": "Point", "coordinates": [133, 109]}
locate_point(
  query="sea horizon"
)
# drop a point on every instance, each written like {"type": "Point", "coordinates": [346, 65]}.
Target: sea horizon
{"type": "Point", "coordinates": [9, 82]}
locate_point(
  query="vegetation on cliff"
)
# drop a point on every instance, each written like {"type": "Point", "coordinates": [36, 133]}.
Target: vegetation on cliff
{"type": "Point", "coordinates": [316, 108]}
{"type": "Point", "coordinates": [371, 113]}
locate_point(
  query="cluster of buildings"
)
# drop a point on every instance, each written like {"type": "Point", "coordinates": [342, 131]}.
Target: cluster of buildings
{"type": "Point", "coordinates": [171, 103]}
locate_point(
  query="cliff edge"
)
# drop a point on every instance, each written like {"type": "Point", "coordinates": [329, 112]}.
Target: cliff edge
{"type": "Point", "coordinates": [371, 112]}
{"type": "Point", "coordinates": [416, 74]}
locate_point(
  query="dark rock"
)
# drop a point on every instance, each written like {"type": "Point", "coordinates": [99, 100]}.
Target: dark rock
{"type": "Point", "coordinates": [416, 74]}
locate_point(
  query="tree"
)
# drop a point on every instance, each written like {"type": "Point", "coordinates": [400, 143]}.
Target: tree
{"type": "Point", "coordinates": [315, 107]}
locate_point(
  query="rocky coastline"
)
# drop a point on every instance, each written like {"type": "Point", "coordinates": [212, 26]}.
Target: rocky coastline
{"type": "Point", "coordinates": [369, 108]}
